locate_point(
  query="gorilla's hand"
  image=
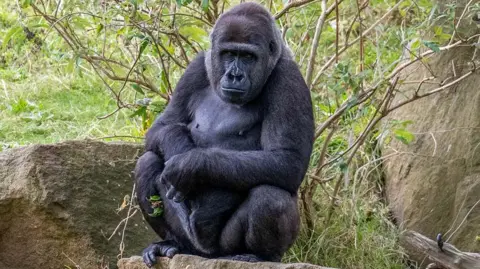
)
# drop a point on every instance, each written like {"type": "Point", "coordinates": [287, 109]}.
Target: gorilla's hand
{"type": "Point", "coordinates": [179, 175]}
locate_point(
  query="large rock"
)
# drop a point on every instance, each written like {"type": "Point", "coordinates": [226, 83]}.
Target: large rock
{"type": "Point", "coordinates": [433, 183]}
{"type": "Point", "coordinates": [194, 262]}
{"type": "Point", "coordinates": [58, 205]}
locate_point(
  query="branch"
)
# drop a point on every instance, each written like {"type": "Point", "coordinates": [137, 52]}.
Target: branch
{"type": "Point", "coordinates": [449, 257]}
{"type": "Point", "coordinates": [365, 33]}
{"type": "Point", "coordinates": [316, 39]}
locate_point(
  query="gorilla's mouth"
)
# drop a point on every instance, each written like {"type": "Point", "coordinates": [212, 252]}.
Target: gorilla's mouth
{"type": "Point", "coordinates": [233, 95]}
{"type": "Point", "coordinates": [233, 90]}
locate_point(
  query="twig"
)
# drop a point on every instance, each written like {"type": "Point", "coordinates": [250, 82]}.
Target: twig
{"type": "Point", "coordinates": [464, 219]}
{"type": "Point", "coordinates": [459, 21]}
{"type": "Point", "coordinates": [316, 39]}
{"type": "Point", "coordinates": [291, 5]}
{"type": "Point", "coordinates": [365, 33]}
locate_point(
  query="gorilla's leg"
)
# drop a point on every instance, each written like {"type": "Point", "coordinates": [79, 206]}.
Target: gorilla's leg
{"type": "Point", "coordinates": [148, 169]}
{"type": "Point", "coordinates": [264, 226]}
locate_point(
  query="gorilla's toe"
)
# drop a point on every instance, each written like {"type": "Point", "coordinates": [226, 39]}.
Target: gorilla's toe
{"type": "Point", "coordinates": [162, 249]}
{"type": "Point", "coordinates": [244, 258]}
{"type": "Point", "coordinates": [150, 255]}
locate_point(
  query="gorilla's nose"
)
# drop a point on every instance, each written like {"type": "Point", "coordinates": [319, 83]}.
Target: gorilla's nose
{"type": "Point", "coordinates": [235, 75]}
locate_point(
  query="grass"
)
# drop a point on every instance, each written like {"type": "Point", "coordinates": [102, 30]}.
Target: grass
{"type": "Point", "coordinates": [53, 107]}
{"type": "Point", "coordinates": [366, 240]}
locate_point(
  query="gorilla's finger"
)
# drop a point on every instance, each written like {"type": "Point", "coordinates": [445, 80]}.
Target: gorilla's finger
{"type": "Point", "coordinates": [179, 197]}
{"type": "Point", "coordinates": [162, 179]}
{"type": "Point", "coordinates": [152, 257]}
{"type": "Point", "coordinates": [146, 259]}
{"type": "Point", "coordinates": [171, 192]}
{"type": "Point", "coordinates": [171, 252]}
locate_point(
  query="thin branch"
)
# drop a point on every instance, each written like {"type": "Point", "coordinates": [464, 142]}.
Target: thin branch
{"type": "Point", "coordinates": [291, 5]}
{"type": "Point", "coordinates": [365, 33]}
{"type": "Point", "coordinates": [316, 39]}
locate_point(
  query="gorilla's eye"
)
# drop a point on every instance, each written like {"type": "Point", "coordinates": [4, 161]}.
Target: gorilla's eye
{"type": "Point", "coordinates": [247, 56]}
{"type": "Point", "coordinates": [228, 54]}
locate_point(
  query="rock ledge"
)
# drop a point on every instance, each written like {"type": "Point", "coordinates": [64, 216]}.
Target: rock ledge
{"type": "Point", "coordinates": [195, 262]}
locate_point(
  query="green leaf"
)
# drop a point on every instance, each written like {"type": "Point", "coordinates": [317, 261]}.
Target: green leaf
{"type": "Point", "coordinates": [143, 46]}
{"type": "Point", "coordinates": [404, 136]}
{"type": "Point", "coordinates": [183, 2]}
{"type": "Point", "coordinates": [137, 88]}
{"type": "Point", "coordinates": [205, 5]}
{"type": "Point", "coordinates": [157, 212]}
{"type": "Point", "coordinates": [193, 32]}
{"type": "Point", "coordinates": [154, 198]}
{"type": "Point", "coordinates": [164, 82]}
{"type": "Point", "coordinates": [343, 166]}
{"type": "Point", "coordinates": [99, 29]}
{"type": "Point", "coordinates": [431, 45]}
{"type": "Point", "coordinates": [81, 23]}
{"type": "Point", "coordinates": [142, 111]}
{"type": "Point", "coordinates": [11, 34]}
{"type": "Point", "coordinates": [26, 3]}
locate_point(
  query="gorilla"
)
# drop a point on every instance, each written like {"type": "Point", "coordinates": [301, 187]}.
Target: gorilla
{"type": "Point", "coordinates": [229, 152]}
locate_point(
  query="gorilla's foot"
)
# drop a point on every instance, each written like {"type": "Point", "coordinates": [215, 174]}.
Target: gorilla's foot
{"type": "Point", "coordinates": [163, 249]}
{"type": "Point", "coordinates": [243, 258]}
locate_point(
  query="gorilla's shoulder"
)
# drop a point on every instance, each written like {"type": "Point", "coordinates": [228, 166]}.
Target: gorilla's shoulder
{"type": "Point", "coordinates": [196, 70]}
{"type": "Point", "coordinates": [198, 61]}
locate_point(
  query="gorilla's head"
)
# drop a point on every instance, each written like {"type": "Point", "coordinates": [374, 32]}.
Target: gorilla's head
{"type": "Point", "coordinates": [246, 45]}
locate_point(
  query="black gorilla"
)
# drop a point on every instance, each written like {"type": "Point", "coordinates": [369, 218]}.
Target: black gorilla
{"type": "Point", "coordinates": [229, 152]}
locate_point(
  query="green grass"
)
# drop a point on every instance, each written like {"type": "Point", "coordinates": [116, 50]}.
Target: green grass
{"type": "Point", "coordinates": [366, 240]}
{"type": "Point", "coordinates": [51, 107]}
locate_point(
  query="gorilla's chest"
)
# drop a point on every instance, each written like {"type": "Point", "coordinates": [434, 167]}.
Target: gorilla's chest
{"type": "Point", "coordinates": [219, 124]}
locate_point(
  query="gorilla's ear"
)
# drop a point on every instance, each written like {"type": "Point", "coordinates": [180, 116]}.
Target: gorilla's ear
{"type": "Point", "coordinates": [273, 47]}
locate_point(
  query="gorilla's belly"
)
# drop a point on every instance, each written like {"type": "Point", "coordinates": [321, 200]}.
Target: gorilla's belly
{"type": "Point", "coordinates": [218, 124]}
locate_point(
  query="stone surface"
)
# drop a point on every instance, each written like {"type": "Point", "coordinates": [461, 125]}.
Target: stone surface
{"type": "Point", "coordinates": [58, 205]}
{"type": "Point", "coordinates": [432, 183]}
{"type": "Point", "coordinates": [194, 262]}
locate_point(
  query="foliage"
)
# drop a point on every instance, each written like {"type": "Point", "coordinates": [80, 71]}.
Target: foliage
{"type": "Point", "coordinates": [78, 69]}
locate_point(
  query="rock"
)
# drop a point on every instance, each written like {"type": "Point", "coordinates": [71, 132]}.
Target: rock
{"type": "Point", "coordinates": [433, 184]}
{"type": "Point", "coordinates": [195, 262]}
{"type": "Point", "coordinates": [58, 205]}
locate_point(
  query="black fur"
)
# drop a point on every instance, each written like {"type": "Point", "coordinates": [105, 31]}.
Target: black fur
{"type": "Point", "coordinates": [230, 151]}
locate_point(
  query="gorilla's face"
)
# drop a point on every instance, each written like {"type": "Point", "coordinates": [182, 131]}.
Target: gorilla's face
{"type": "Point", "coordinates": [236, 81]}
{"type": "Point", "coordinates": [245, 49]}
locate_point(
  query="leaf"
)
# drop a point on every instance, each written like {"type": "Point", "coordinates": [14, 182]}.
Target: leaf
{"type": "Point", "coordinates": [431, 45]}
{"type": "Point", "coordinates": [10, 34]}
{"type": "Point", "coordinates": [142, 111]}
{"type": "Point", "coordinates": [204, 5]}
{"type": "Point", "coordinates": [137, 88]}
{"type": "Point", "coordinates": [143, 46]}
{"type": "Point", "coordinates": [196, 33]}
{"type": "Point", "coordinates": [164, 82]}
{"type": "Point", "coordinates": [343, 166]}
{"type": "Point", "coordinates": [183, 2]}
{"type": "Point", "coordinates": [157, 212]}
{"type": "Point", "coordinates": [404, 136]}
{"type": "Point", "coordinates": [99, 29]}
{"type": "Point", "coordinates": [26, 3]}
{"type": "Point", "coordinates": [154, 198]}
{"type": "Point", "coordinates": [81, 23]}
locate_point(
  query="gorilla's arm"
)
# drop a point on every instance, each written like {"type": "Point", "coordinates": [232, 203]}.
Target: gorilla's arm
{"type": "Point", "coordinates": [169, 135]}
{"type": "Point", "coordinates": [287, 134]}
